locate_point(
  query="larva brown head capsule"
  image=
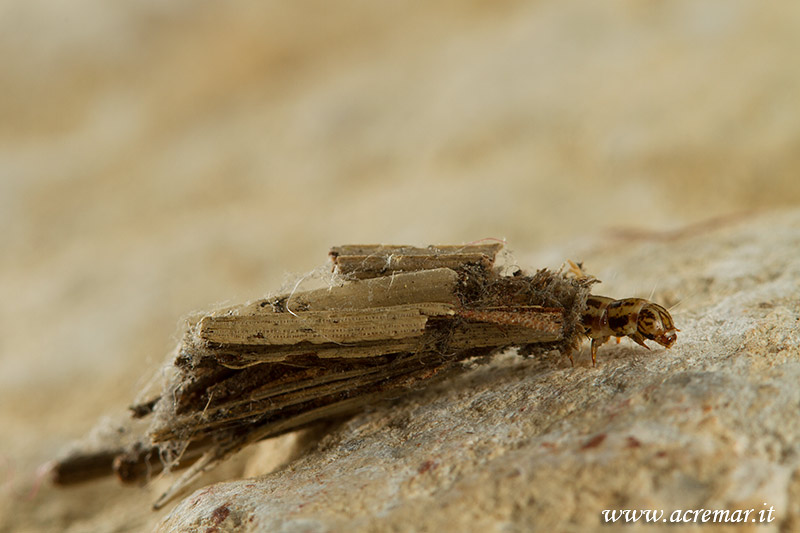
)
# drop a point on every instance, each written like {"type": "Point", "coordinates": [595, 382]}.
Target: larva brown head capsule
{"type": "Point", "coordinates": [655, 323]}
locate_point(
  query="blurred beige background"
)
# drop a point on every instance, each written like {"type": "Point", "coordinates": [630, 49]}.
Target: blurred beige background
{"type": "Point", "coordinates": [158, 159]}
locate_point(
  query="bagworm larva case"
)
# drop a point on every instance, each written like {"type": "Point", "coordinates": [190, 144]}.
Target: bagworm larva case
{"type": "Point", "coordinates": [398, 317]}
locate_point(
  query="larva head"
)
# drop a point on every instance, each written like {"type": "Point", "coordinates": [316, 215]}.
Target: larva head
{"type": "Point", "coordinates": [655, 323]}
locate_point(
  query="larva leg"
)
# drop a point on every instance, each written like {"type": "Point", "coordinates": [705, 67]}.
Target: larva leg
{"type": "Point", "coordinates": [638, 339]}
{"type": "Point", "coordinates": [596, 343]}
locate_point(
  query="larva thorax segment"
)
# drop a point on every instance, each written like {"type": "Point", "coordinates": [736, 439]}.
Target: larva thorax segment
{"type": "Point", "coordinates": [636, 318]}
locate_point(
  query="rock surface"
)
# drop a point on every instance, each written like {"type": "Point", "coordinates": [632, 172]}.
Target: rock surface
{"type": "Point", "coordinates": [534, 445]}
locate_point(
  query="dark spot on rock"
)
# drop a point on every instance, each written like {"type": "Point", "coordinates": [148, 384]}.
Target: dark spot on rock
{"type": "Point", "coordinates": [594, 442]}
{"type": "Point", "coordinates": [427, 465]}
{"type": "Point", "coordinates": [220, 514]}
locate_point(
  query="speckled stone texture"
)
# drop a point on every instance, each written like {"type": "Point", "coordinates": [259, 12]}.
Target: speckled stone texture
{"type": "Point", "coordinates": [534, 445]}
